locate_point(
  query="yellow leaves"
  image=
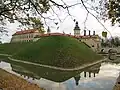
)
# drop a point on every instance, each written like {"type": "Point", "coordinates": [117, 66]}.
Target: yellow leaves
{"type": "Point", "coordinates": [104, 34]}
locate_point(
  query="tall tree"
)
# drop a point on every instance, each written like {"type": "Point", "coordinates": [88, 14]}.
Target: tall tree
{"type": "Point", "coordinates": [114, 11]}
{"type": "Point", "coordinates": [117, 41]}
{"type": "Point", "coordinates": [37, 24]}
{"type": "Point", "coordinates": [21, 10]}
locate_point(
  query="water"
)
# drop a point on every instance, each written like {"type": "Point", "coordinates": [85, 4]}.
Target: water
{"type": "Point", "coordinates": [98, 77]}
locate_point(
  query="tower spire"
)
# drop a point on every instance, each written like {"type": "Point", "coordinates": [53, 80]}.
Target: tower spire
{"type": "Point", "coordinates": [76, 29]}
{"type": "Point", "coordinates": [48, 30]}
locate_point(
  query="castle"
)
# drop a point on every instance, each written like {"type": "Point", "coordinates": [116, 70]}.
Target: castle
{"type": "Point", "coordinates": [92, 41]}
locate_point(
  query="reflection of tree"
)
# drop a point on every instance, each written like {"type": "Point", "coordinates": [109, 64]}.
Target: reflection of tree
{"type": "Point", "coordinates": [77, 78]}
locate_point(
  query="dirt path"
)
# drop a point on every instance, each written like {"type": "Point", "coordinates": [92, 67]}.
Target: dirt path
{"type": "Point", "coordinates": [10, 81]}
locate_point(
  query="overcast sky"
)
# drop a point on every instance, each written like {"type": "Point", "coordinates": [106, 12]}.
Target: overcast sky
{"type": "Point", "coordinates": [79, 13]}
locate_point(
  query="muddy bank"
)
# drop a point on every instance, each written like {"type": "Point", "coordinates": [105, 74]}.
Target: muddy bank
{"type": "Point", "coordinates": [10, 81]}
{"type": "Point", "coordinates": [117, 84]}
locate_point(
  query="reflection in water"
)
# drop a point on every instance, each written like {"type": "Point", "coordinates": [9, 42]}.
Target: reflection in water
{"type": "Point", "coordinates": [37, 72]}
{"type": "Point", "coordinates": [97, 77]}
{"type": "Point", "coordinates": [84, 74]}
{"type": "Point", "coordinates": [77, 78]}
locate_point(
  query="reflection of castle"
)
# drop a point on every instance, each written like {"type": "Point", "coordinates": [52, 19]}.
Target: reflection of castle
{"type": "Point", "coordinates": [25, 73]}
{"type": "Point", "coordinates": [88, 73]}
{"type": "Point", "coordinates": [77, 78]}
{"type": "Point", "coordinates": [36, 72]}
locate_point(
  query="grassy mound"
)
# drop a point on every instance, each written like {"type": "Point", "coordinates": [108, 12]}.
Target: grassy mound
{"type": "Point", "coordinates": [61, 51]}
{"type": "Point", "coordinates": [11, 48]}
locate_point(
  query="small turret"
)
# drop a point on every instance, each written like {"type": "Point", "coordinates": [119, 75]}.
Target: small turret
{"type": "Point", "coordinates": [93, 32]}
{"type": "Point", "coordinates": [48, 30]}
{"type": "Point", "coordinates": [84, 32]}
{"type": "Point", "coordinates": [76, 29]}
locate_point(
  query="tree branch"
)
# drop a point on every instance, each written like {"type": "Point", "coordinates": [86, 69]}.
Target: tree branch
{"type": "Point", "coordinates": [95, 17]}
{"type": "Point", "coordinates": [85, 21]}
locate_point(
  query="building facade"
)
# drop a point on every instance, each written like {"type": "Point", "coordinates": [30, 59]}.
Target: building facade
{"type": "Point", "coordinates": [93, 41]}
{"type": "Point", "coordinates": [25, 36]}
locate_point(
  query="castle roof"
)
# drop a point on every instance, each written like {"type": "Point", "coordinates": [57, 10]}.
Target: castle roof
{"type": "Point", "coordinates": [76, 26]}
{"type": "Point", "coordinates": [25, 32]}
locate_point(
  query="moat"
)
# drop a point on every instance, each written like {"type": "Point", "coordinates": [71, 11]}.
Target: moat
{"type": "Point", "coordinates": [97, 77]}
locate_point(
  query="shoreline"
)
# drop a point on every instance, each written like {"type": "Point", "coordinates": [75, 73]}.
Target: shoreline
{"type": "Point", "coordinates": [9, 81]}
{"type": "Point", "coordinates": [59, 68]}
{"type": "Point", "coordinates": [117, 84]}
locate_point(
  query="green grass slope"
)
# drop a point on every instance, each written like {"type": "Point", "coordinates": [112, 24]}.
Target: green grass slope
{"type": "Point", "coordinates": [11, 48]}
{"type": "Point", "coordinates": [60, 51]}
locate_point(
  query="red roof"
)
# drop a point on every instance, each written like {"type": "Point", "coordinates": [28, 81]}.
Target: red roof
{"type": "Point", "coordinates": [25, 32]}
{"type": "Point", "coordinates": [63, 34]}
{"type": "Point", "coordinates": [52, 34]}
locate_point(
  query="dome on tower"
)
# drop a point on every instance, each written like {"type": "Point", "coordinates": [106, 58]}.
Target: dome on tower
{"type": "Point", "coordinates": [76, 26]}
{"type": "Point", "coordinates": [76, 29]}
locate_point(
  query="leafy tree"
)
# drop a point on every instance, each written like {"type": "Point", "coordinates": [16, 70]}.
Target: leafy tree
{"type": "Point", "coordinates": [114, 11]}
{"type": "Point", "coordinates": [112, 41]}
{"type": "Point", "coordinates": [102, 43]}
{"type": "Point", "coordinates": [22, 10]}
{"type": "Point", "coordinates": [117, 41]}
{"type": "Point", "coordinates": [37, 24]}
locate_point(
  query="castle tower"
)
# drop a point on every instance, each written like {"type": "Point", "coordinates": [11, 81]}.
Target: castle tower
{"type": "Point", "coordinates": [48, 30]}
{"type": "Point", "coordinates": [76, 30]}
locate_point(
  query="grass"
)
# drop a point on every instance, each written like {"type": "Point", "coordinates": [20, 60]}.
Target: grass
{"type": "Point", "coordinates": [11, 48]}
{"type": "Point", "coordinates": [60, 51]}
{"type": "Point", "coordinates": [3, 58]}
